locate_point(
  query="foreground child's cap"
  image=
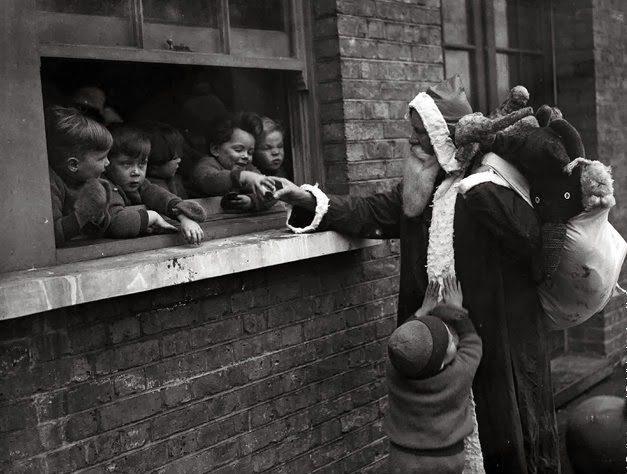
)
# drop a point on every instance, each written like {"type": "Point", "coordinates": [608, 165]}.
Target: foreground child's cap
{"type": "Point", "coordinates": [417, 347]}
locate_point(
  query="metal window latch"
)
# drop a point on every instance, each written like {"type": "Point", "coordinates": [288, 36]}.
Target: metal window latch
{"type": "Point", "coordinates": [169, 44]}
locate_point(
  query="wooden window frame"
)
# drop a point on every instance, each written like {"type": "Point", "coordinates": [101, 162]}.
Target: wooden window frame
{"type": "Point", "coordinates": [484, 52]}
{"type": "Point", "coordinates": [28, 239]}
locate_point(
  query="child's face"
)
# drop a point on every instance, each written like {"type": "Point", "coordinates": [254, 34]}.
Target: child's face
{"type": "Point", "coordinates": [451, 350]}
{"type": "Point", "coordinates": [128, 173]}
{"type": "Point", "coordinates": [237, 152]}
{"type": "Point", "coordinates": [269, 152]}
{"type": "Point", "coordinates": [165, 170]}
{"type": "Point", "coordinates": [91, 165]}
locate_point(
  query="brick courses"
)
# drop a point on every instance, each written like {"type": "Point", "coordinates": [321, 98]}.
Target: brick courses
{"type": "Point", "coordinates": [279, 370]}
{"type": "Point", "coordinates": [591, 67]}
{"type": "Point", "coordinates": [254, 372]}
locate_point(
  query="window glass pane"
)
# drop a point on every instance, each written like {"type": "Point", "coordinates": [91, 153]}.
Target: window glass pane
{"type": "Point", "coordinates": [97, 22]}
{"type": "Point", "coordinates": [183, 25]}
{"type": "Point", "coordinates": [182, 12]}
{"type": "Point", "coordinates": [501, 26]}
{"type": "Point", "coordinates": [459, 62]}
{"type": "Point", "coordinates": [259, 15]}
{"type": "Point", "coordinates": [260, 28]}
{"type": "Point", "coordinates": [532, 75]}
{"type": "Point", "coordinates": [456, 21]}
{"type": "Point", "coordinates": [527, 70]}
{"type": "Point", "coordinates": [505, 69]}
{"type": "Point", "coordinates": [85, 7]}
{"type": "Point", "coordinates": [511, 23]}
{"type": "Point", "coordinates": [531, 12]}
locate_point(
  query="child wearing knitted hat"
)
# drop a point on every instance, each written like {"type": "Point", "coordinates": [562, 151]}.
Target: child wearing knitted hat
{"type": "Point", "coordinates": [429, 376]}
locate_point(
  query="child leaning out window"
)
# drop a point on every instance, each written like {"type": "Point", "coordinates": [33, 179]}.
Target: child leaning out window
{"type": "Point", "coordinates": [77, 156]}
{"type": "Point", "coordinates": [127, 172]}
{"type": "Point", "coordinates": [269, 149]}
{"type": "Point", "coordinates": [229, 169]}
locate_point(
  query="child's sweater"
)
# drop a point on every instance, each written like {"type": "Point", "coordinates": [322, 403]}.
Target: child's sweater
{"type": "Point", "coordinates": [209, 178]}
{"type": "Point", "coordinates": [64, 216]}
{"type": "Point", "coordinates": [434, 413]}
{"type": "Point", "coordinates": [125, 222]}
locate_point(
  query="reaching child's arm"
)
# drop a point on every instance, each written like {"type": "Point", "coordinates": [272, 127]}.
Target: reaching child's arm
{"type": "Point", "coordinates": [210, 179]}
{"type": "Point", "coordinates": [190, 229]}
{"type": "Point", "coordinates": [187, 212]}
{"type": "Point", "coordinates": [254, 181]}
{"type": "Point", "coordinates": [89, 214]}
{"type": "Point", "coordinates": [430, 299]}
{"type": "Point", "coordinates": [469, 348]}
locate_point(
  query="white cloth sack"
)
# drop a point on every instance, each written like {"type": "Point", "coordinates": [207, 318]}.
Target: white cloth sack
{"type": "Point", "coordinates": [588, 271]}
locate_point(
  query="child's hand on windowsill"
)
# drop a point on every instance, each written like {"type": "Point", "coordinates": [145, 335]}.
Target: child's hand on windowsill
{"type": "Point", "coordinates": [191, 230]}
{"type": "Point", "coordinates": [156, 223]}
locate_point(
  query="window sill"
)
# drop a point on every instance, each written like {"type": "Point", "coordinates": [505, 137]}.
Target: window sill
{"type": "Point", "coordinates": [33, 291]}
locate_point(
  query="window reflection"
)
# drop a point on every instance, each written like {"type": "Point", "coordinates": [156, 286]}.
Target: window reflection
{"type": "Point", "coordinates": [509, 18]}
{"type": "Point", "coordinates": [259, 15]}
{"type": "Point", "coordinates": [182, 12]}
{"type": "Point", "coordinates": [86, 7]}
{"type": "Point", "coordinates": [460, 62]}
{"type": "Point", "coordinates": [456, 21]}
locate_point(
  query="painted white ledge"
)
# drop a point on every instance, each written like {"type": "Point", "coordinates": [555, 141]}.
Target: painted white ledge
{"type": "Point", "coordinates": [33, 291]}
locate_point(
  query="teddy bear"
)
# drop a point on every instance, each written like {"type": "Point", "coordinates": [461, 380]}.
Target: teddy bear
{"type": "Point", "coordinates": [581, 253]}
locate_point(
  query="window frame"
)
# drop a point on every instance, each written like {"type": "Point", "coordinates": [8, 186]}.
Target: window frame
{"type": "Point", "coordinates": [29, 241]}
{"type": "Point", "coordinates": [484, 49]}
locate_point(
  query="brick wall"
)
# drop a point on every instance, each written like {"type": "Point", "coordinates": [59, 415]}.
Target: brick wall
{"type": "Point", "coordinates": [372, 58]}
{"type": "Point", "coordinates": [276, 371]}
{"type": "Point", "coordinates": [591, 67]}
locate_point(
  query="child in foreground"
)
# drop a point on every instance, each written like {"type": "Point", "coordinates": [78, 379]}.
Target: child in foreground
{"type": "Point", "coordinates": [228, 171]}
{"type": "Point", "coordinates": [429, 377]}
{"type": "Point", "coordinates": [269, 149]}
{"type": "Point", "coordinates": [77, 156]}
{"type": "Point", "coordinates": [127, 172]}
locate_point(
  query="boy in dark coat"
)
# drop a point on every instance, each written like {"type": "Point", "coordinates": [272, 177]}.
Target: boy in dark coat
{"type": "Point", "coordinates": [127, 173]}
{"type": "Point", "coordinates": [495, 235]}
{"type": "Point", "coordinates": [429, 377]}
{"type": "Point", "coordinates": [77, 156]}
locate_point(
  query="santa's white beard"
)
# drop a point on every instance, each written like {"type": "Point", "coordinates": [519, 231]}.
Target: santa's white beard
{"type": "Point", "coordinates": [420, 171]}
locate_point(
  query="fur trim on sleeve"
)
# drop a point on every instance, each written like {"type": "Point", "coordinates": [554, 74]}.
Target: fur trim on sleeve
{"type": "Point", "coordinates": [322, 206]}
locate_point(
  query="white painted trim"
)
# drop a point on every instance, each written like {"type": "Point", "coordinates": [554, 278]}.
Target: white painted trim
{"type": "Point", "coordinates": [33, 291]}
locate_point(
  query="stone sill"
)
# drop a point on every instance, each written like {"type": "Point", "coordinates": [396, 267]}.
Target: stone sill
{"type": "Point", "coordinates": [33, 291]}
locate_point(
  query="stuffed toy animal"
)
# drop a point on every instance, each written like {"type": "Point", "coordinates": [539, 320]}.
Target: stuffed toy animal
{"type": "Point", "coordinates": [581, 254]}
{"type": "Point", "coordinates": [562, 182]}
{"type": "Point", "coordinates": [516, 99]}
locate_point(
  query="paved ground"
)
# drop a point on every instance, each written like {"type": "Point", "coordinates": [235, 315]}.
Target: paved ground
{"type": "Point", "coordinates": [613, 385]}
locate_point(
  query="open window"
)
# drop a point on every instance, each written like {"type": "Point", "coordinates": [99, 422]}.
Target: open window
{"type": "Point", "coordinates": [253, 56]}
